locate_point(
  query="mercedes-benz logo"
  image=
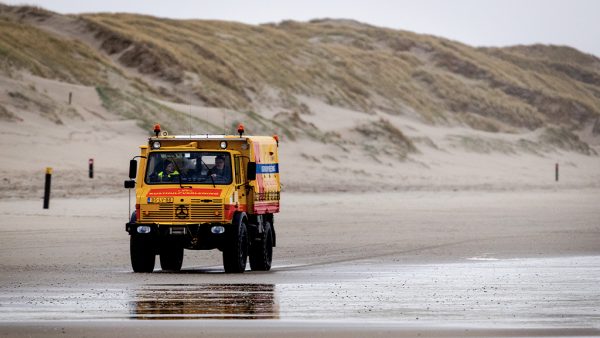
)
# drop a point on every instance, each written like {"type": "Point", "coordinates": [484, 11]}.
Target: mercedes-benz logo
{"type": "Point", "coordinates": [181, 211]}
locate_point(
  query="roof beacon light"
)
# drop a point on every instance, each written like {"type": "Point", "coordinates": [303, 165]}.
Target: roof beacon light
{"type": "Point", "coordinates": [276, 139]}
{"type": "Point", "coordinates": [241, 129]}
{"type": "Point", "coordinates": [157, 129]}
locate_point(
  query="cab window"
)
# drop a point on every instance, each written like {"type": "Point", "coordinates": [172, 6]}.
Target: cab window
{"type": "Point", "coordinates": [198, 167]}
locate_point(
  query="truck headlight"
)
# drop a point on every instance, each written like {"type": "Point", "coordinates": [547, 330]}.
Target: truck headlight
{"type": "Point", "coordinates": [217, 229]}
{"type": "Point", "coordinates": [223, 144]}
{"type": "Point", "coordinates": [143, 229]}
{"type": "Point", "coordinates": [155, 145]}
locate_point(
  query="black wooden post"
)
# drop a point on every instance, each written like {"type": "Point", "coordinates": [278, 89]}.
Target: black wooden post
{"type": "Point", "coordinates": [47, 188]}
{"type": "Point", "coordinates": [91, 167]}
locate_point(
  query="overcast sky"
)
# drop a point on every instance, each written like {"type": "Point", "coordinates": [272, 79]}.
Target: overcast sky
{"type": "Point", "coordinates": [574, 23]}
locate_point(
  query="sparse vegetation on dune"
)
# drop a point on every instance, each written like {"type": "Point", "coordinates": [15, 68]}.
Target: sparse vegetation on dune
{"type": "Point", "coordinates": [383, 137]}
{"type": "Point", "coordinates": [7, 115]}
{"type": "Point", "coordinates": [30, 100]}
{"type": "Point", "coordinates": [566, 140]}
{"type": "Point", "coordinates": [147, 111]}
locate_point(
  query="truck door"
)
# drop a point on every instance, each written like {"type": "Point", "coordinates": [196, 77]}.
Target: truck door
{"type": "Point", "coordinates": [240, 188]}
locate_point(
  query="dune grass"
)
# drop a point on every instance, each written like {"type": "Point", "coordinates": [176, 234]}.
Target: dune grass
{"type": "Point", "coordinates": [45, 55]}
{"type": "Point", "coordinates": [366, 68]}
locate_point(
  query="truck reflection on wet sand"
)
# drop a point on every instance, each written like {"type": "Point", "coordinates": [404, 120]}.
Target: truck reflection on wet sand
{"type": "Point", "coordinates": [205, 301]}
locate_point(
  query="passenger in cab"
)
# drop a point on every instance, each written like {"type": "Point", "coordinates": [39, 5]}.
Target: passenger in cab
{"type": "Point", "coordinates": [220, 170]}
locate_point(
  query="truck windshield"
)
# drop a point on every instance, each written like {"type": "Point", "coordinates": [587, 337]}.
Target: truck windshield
{"type": "Point", "coordinates": [192, 167]}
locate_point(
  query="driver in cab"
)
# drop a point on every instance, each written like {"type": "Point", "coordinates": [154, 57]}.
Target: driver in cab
{"type": "Point", "coordinates": [169, 173]}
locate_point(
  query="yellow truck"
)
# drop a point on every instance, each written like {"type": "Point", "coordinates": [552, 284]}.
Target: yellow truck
{"type": "Point", "coordinates": [204, 192]}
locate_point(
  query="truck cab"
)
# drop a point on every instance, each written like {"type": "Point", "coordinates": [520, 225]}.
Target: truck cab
{"type": "Point", "coordinates": [203, 192]}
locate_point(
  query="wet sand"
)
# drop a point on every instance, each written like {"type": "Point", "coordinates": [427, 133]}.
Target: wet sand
{"type": "Point", "coordinates": [448, 263]}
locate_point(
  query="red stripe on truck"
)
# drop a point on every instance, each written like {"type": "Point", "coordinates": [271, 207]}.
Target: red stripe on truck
{"type": "Point", "coordinates": [184, 192]}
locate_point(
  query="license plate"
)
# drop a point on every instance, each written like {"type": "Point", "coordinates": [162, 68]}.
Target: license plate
{"type": "Point", "coordinates": [160, 199]}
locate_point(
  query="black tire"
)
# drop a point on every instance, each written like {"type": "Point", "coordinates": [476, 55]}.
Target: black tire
{"type": "Point", "coordinates": [235, 255]}
{"type": "Point", "coordinates": [141, 250]}
{"type": "Point", "coordinates": [261, 252]}
{"type": "Point", "coordinates": [171, 257]}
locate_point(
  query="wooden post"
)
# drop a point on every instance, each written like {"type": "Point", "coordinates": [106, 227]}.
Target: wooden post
{"type": "Point", "coordinates": [91, 167]}
{"type": "Point", "coordinates": [47, 188]}
{"type": "Point", "coordinates": [70, 97]}
{"type": "Point", "coordinates": [556, 172]}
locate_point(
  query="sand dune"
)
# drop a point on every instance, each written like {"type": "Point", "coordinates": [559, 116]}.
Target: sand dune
{"type": "Point", "coordinates": [448, 158]}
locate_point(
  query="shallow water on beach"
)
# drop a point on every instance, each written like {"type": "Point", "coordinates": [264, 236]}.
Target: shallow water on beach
{"type": "Point", "coordinates": [481, 291]}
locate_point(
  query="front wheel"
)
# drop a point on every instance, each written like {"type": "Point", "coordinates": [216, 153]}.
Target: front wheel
{"type": "Point", "coordinates": [261, 251]}
{"type": "Point", "coordinates": [171, 257]}
{"type": "Point", "coordinates": [142, 253]}
{"type": "Point", "coordinates": [235, 254]}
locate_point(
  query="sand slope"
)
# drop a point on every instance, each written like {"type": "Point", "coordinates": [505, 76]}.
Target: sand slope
{"type": "Point", "coordinates": [448, 158]}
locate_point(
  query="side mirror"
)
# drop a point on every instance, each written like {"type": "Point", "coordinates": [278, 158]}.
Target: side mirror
{"type": "Point", "coordinates": [129, 184]}
{"type": "Point", "coordinates": [251, 171]}
{"type": "Point", "coordinates": [132, 169]}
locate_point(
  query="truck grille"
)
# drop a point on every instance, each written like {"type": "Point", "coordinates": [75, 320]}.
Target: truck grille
{"type": "Point", "coordinates": [183, 213]}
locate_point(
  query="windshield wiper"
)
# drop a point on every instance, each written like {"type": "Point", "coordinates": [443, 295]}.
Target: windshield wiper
{"type": "Point", "coordinates": [179, 176]}
{"type": "Point", "coordinates": [208, 173]}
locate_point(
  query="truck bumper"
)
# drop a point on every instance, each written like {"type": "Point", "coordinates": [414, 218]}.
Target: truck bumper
{"type": "Point", "coordinates": [190, 236]}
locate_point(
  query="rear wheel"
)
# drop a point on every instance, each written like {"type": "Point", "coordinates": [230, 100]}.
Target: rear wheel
{"type": "Point", "coordinates": [171, 257]}
{"type": "Point", "coordinates": [261, 252]}
{"type": "Point", "coordinates": [235, 255]}
{"type": "Point", "coordinates": [141, 250]}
